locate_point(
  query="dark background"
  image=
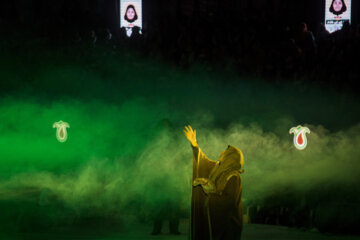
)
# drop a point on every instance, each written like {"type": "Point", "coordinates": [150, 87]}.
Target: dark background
{"type": "Point", "coordinates": [41, 16]}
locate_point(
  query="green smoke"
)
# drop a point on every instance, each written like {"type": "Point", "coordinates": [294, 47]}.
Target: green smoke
{"type": "Point", "coordinates": [122, 159]}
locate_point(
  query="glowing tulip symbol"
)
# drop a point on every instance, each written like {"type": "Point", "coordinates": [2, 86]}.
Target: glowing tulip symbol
{"type": "Point", "coordinates": [61, 133]}
{"type": "Point", "coordinates": [300, 140]}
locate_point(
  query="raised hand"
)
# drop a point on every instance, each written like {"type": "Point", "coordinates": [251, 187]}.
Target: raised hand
{"type": "Point", "coordinates": [191, 135]}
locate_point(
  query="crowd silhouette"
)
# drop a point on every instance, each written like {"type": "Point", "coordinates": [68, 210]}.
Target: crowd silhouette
{"type": "Point", "coordinates": [254, 45]}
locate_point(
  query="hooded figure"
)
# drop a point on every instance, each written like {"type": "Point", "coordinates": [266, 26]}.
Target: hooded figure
{"type": "Point", "coordinates": [216, 208]}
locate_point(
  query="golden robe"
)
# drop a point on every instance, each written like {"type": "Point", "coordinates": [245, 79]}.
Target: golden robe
{"type": "Point", "coordinates": [216, 211]}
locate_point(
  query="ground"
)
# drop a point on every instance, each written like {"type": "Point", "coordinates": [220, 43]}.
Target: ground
{"type": "Point", "coordinates": [251, 232]}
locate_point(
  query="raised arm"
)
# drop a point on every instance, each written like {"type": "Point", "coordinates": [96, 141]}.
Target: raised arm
{"type": "Point", "coordinates": [191, 136]}
{"type": "Point", "coordinates": [201, 164]}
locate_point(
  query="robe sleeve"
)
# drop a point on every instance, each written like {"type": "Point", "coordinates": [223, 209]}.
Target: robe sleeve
{"type": "Point", "coordinates": [229, 197]}
{"type": "Point", "coordinates": [202, 165]}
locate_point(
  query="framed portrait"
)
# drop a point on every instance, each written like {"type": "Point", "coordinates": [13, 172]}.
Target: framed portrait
{"type": "Point", "coordinates": [131, 13]}
{"type": "Point", "coordinates": [336, 13]}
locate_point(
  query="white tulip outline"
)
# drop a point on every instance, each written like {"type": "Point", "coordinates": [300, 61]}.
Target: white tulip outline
{"type": "Point", "coordinates": [61, 126]}
{"type": "Point", "coordinates": [297, 131]}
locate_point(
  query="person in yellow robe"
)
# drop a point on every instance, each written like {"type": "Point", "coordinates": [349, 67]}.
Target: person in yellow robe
{"type": "Point", "coordinates": [216, 208]}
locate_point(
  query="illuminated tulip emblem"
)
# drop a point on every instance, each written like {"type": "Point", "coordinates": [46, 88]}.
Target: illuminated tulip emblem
{"type": "Point", "coordinates": [300, 140]}
{"type": "Point", "coordinates": [61, 133]}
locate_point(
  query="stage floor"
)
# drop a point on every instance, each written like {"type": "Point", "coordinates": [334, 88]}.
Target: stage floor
{"type": "Point", "coordinates": [251, 232]}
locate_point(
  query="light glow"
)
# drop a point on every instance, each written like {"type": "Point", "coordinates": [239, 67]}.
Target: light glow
{"type": "Point", "coordinates": [61, 132]}
{"type": "Point", "coordinates": [300, 140]}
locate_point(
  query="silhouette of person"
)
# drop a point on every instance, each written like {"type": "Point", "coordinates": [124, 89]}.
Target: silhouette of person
{"type": "Point", "coordinates": [169, 209]}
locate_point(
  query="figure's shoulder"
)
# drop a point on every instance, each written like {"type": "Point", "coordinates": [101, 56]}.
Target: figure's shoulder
{"type": "Point", "coordinates": [233, 182]}
{"type": "Point", "coordinates": [235, 175]}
